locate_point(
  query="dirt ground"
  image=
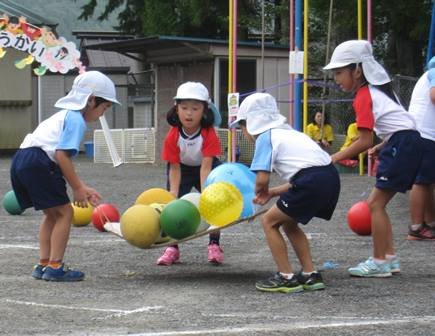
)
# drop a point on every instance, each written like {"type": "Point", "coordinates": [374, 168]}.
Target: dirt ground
{"type": "Point", "coordinates": [125, 293]}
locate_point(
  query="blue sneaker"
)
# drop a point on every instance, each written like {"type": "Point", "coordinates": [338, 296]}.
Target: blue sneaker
{"type": "Point", "coordinates": [394, 265]}
{"type": "Point", "coordinates": [38, 271]}
{"type": "Point", "coordinates": [369, 269]}
{"type": "Point", "coordinates": [62, 274]}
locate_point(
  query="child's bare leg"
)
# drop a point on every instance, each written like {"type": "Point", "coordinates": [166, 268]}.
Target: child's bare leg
{"type": "Point", "coordinates": [60, 230]}
{"type": "Point", "coordinates": [419, 198]}
{"type": "Point", "coordinates": [381, 226]}
{"type": "Point", "coordinates": [300, 244]}
{"type": "Point", "coordinates": [272, 220]}
{"type": "Point", "coordinates": [45, 231]}
{"type": "Point", "coordinates": [429, 213]}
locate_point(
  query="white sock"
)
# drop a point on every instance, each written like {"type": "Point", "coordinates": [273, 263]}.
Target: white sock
{"type": "Point", "coordinates": [287, 276]}
{"type": "Point", "coordinates": [415, 227]}
{"type": "Point", "coordinates": [379, 261]}
{"type": "Point", "coordinates": [308, 273]}
{"type": "Point", "coordinates": [390, 256]}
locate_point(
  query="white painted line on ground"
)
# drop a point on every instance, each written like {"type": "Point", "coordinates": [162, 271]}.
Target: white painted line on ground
{"type": "Point", "coordinates": [118, 312]}
{"type": "Point", "coordinates": [29, 247]}
{"type": "Point", "coordinates": [292, 327]}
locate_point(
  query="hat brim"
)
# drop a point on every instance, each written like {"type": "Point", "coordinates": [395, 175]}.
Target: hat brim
{"type": "Point", "coordinates": [76, 100]}
{"type": "Point", "coordinates": [235, 123]}
{"type": "Point", "coordinates": [336, 65]}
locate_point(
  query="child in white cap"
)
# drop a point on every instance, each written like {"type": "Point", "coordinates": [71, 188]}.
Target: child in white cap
{"type": "Point", "coordinates": [191, 148]}
{"type": "Point", "coordinates": [43, 163]}
{"type": "Point", "coordinates": [311, 189]}
{"type": "Point", "coordinates": [421, 197]}
{"type": "Point", "coordinates": [377, 110]}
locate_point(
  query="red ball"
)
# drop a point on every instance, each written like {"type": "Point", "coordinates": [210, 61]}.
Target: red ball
{"type": "Point", "coordinates": [359, 219]}
{"type": "Point", "coordinates": [104, 213]}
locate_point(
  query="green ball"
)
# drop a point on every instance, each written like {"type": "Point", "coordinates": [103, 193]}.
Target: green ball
{"type": "Point", "coordinates": [180, 219]}
{"type": "Point", "coordinates": [10, 204]}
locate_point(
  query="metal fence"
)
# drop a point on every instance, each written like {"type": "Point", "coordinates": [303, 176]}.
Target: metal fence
{"type": "Point", "coordinates": [338, 108]}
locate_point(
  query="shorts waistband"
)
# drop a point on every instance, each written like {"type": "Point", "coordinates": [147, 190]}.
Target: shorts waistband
{"type": "Point", "coordinates": [303, 171]}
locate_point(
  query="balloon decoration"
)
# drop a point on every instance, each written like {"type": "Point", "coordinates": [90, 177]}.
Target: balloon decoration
{"type": "Point", "coordinates": [239, 175]}
{"type": "Point", "coordinates": [40, 43]}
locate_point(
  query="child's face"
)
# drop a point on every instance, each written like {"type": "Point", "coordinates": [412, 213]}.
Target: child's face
{"type": "Point", "coordinates": [318, 118]}
{"type": "Point", "coordinates": [246, 134]}
{"type": "Point", "coordinates": [190, 113]}
{"type": "Point", "coordinates": [93, 112]}
{"type": "Point", "coordinates": [348, 79]}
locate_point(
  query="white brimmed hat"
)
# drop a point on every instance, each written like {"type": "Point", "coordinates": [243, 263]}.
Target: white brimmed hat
{"type": "Point", "coordinates": [197, 91]}
{"type": "Point", "coordinates": [86, 84]}
{"type": "Point", "coordinates": [359, 51]}
{"type": "Point", "coordinates": [260, 112]}
{"type": "Point", "coordinates": [431, 63]}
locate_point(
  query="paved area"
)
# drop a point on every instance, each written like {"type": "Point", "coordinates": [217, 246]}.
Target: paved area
{"type": "Point", "coordinates": [125, 293]}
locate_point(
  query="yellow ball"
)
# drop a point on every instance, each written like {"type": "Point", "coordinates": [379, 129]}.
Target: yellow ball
{"type": "Point", "coordinates": [82, 216]}
{"type": "Point", "coordinates": [221, 203]}
{"type": "Point", "coordinates": [140, 225]}
{"type": "Point", "coordinates": [154, 195]}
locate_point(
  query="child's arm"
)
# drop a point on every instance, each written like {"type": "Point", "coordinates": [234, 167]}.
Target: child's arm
{"type": "Point", "coordinates": [278, 190]}
{"type": "Point", "coordinates": [81, 192]}
{"type": "Point", "coordinates": [262, 193]}
{"type": "Point", "coordinates": [364, 142]}
{"type": "Point", "coordinates": [206, 166]}
{"type": "Point", "coordinates": [174, 178]}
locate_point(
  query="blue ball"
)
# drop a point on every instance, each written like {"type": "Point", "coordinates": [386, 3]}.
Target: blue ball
{"type": "Point", "coordinates": [239, 175]}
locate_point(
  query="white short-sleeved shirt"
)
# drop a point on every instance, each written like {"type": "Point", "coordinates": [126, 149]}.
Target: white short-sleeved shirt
{"type": "Point", "coordinates": [422, 108]}
{"type": "Point", "coordinates": [287, 151]}
{"type": "Point", "coordinates": [63, 130]}
{"type": "Point", "coordinates": [376, 111]}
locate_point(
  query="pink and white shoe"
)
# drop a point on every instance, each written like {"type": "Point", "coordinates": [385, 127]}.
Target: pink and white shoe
{"type": "Point", "coordinates": [215, 254]}
{"type": "Point", "coordinates": [169, 257]}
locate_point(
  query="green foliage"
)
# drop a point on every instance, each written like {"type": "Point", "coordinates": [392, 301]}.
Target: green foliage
{"type": "Point", "coordinates": [400, 27]}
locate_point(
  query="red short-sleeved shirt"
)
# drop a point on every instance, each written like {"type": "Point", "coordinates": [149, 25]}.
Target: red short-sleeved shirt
{"type": "Point", "coordinates": [190, 150]}
{"type": "Point", "coordinates": [363, 107]}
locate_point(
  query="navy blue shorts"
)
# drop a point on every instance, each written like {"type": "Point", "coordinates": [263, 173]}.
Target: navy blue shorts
{"type": "Point", "coordinates": [37, 181]}
{"type": "Point", "coordinates": [190, 177]}
{"type": "Point", "coordinates": [314, 193]}
{"type": "Point", "coordinates": [399, 161]}
{"type": "Point", "coordinates": [426, 172]}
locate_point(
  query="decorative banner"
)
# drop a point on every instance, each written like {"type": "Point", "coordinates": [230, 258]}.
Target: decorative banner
{"type": "Point", "coordinates": [233, 104]}
{"type": "Point", "coordinates": [41, 43]}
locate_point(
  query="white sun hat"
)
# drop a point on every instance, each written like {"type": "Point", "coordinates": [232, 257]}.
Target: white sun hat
{"type": "Point", "coordinates": [241, 115]}
{"type": "Point", "coordinates": [261, 113]}
{"type": "Point", "coordinates": [86, 84]}
{"type": "Point", "coordinates": [197, 91]}
{"type": "Point", "coordinates": [355, 52]}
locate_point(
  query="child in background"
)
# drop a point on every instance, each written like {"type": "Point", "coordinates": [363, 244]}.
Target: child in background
{"type": "Point", "coordinates": [311, 189]}
{"type": "Point", "coordinates": [323, 135]}
{"type": "Point", "coordinates": [421, 198]}
{"type": "Point", "coordinates": [351, 136]}
{"type": "Point", "coordinates": [191, 148]}
{"type": "Point", "coordinates": [43, 162]}
{"type": "Point", "coordinates": [378, 110]}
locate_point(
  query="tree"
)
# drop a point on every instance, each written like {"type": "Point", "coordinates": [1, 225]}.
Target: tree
{"type": "Point", "coordinates": [400, 27]}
